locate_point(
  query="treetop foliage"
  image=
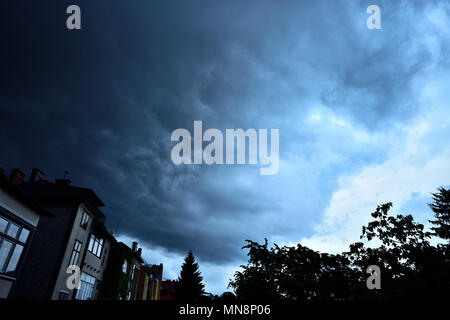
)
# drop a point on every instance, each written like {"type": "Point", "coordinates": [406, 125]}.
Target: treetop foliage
{"type": "Point", "coordinates": [410, 266]}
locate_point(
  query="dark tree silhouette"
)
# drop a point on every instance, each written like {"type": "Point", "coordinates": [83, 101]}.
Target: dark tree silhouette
{"type": "Point", "coordinates": [190, 282]}
{"type": "Point", "coordinates": [410, 267]}
{"type": "Point", "coordinates": [293, 273]}
{"type": "Point", "coordinates": [441, 209]}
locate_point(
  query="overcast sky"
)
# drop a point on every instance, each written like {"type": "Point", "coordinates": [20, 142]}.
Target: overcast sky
{"type": "Point", "coordinates": [363, 116]}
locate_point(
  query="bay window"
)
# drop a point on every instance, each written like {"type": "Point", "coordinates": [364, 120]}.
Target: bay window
{"type": "Point", "coordinates": [13, 239]}
{"type": "Point", "coordinates": [87, 284]}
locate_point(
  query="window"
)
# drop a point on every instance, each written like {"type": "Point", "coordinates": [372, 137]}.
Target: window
{"type": "Point", "coordinates": [84, 220]}
{"type": "Point", "coordinates": [63, 295]}
{"type": "Point", "coordinates": [13, 238]}
{"type": "Point", "coordinates": [75, 253]}
{"type": "Point", "coordinates": [14, 258]}
{"type": "Point", "coordinates": [86, 290]}
{"type": "Point", "coordinates": [5, 249]}
{"type": "Point", "coordinates": [24, 235]}
{"type": "Point", "coordinates": [125, 267]}
{"type": "Point", "coordinates": [3, 224]}
{"type": "Point", "coordinates": [13, 230]}
{"type": "Point", "coordinates": [96, 246]}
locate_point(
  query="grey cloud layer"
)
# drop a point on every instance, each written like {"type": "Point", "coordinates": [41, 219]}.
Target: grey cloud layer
{"type": "Point", "coordinates": [102, 103]}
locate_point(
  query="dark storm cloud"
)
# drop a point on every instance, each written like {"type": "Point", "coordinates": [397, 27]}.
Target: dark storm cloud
{"type": "Point", "coordinates": [101, 102]}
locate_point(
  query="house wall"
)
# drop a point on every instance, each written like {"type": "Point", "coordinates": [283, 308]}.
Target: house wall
{"type": "Point", "coordinates": [5, 287]}
{"type": "Point", "coordinates": [146, 284]}
{"type": "Point", "coordinates": [44, 257]}
{"type": "Point", "coordinates": [154, 286]}
{"type": "Point", "coordinates": [18, 208]}
{"type": "Point", "coordinates": [142, 286]}
{"type": "Point", "coordinates": [135, 279]}
{"type": "Point", "coordinates": [168, 290]}
{"type": "Point", "coordinates": [114, 284]}
{"type": "Point", "coordinates": [80, 234]}
{"type": "Point", "coordinates": [154, 289]}
{"type": "Point", "coordinates": [95, 266]}
{"type": "Point", "coordinates": [91, 261]}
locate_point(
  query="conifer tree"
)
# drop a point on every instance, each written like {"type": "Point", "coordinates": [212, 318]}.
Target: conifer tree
{"type": "Point", "coordinates": [441, 209]}
{"type": "Point", "coordinates": [190, 282]}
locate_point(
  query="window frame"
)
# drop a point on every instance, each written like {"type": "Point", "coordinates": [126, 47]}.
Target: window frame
{"type": "Point", "coordinates": [64, 295]}
{"type": "Point", "coordinates": [87, 287]}
{"type": "Point", "coordinates": [85, 224]}
{"type": "Point", "coordinates": [96, 245]}
{"type": "Point", "coordinates": [74, 250]}
{"type": "Point", "coordinates": [15, 242]}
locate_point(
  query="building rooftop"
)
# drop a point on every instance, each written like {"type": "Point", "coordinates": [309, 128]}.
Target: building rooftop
{"type": "Point", "coordinates": [23, 196]}
{"type": "Point", "coordinates": [48, 192]}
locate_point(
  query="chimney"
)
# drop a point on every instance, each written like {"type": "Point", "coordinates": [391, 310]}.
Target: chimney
{"type": "Point", "coordinates": [139, 252]}
{"type": "Point", "coordinates": [36, 175]}
{"type": "Point", "coordinates": [134, 247]}
{"type": "Point", "coordinates": [65, 181]}
{"type": "Point", "coordinates": [16, 177]}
